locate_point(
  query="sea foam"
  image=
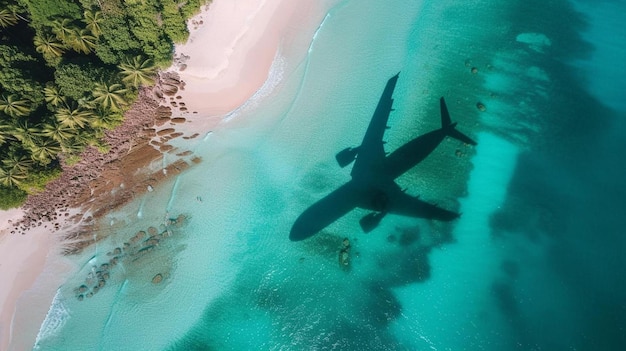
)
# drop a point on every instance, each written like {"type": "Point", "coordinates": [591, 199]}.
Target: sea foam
{"type": "Point", "coordinates": [57, 316]}
{"type": "Point", "coordinates": [274, 77]}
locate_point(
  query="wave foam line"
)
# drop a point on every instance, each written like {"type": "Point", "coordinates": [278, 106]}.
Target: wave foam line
{"type": "Point", "coordinates": [55, 319]}
{"type": "Point", "coordinates": [274, 77]}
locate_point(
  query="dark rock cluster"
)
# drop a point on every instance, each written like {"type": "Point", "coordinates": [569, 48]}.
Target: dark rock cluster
{"type": "Point", "coordinates": [136, 247]}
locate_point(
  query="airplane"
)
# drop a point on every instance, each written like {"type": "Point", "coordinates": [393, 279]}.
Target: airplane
{"type": "Point", "coordinates": [372, 185]}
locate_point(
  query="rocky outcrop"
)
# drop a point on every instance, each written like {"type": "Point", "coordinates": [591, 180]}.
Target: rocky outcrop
{"type": "Point", "coordinates": [136, 247]}
{"type": "Point", "coordinates": [157, 279]}
{"type": "Point", "coordinates": [169, 83]}
{"type": "Point", "coordinates": [344, 253]}
{"type": "Point", "coordinates": [75, 180]}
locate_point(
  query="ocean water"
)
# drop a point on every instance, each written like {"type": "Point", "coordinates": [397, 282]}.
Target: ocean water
{"type": "Point", "coordinates": [535, 262]}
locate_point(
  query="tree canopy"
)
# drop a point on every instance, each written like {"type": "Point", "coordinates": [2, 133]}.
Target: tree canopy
{"type": "Point", "coordinates": [68, 71]}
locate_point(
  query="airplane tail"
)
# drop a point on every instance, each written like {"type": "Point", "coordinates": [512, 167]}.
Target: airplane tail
{"type": "Point", "coordinates": [449, 127]}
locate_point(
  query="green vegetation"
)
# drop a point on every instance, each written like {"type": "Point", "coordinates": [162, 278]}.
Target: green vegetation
{"type": "Point", "coordinates": [68, 71]}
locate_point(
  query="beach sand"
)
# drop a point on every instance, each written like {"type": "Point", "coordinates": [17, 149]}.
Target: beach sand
{"type": "Point", "coordinates": [22, 259]}
{"type": "Point", "coordinates": [225, 61]}
{"type": "Point", "coordinates": [230, 51]}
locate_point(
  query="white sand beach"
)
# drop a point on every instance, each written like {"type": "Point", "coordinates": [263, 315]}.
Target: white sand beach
{"type": "Point", "coordinates": [231, 49]}
{"type": "Point", "coordinates": [22, 259]}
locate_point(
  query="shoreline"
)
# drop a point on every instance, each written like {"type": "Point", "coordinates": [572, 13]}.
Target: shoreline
{"type": "Point", "coordinates": [58, 221]}
{"type": "Point", "coordinates": [229, 55]}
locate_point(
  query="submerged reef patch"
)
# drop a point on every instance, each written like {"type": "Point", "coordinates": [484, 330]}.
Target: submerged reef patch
{"type": "Point", "coordinates": [136, 248]}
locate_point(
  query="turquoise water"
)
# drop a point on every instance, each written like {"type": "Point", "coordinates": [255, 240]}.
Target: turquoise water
{"type": "Point", "coordinates": [534, 262]}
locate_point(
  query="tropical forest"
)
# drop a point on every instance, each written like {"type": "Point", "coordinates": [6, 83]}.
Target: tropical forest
{"type": "Point", "coordinates": [69, 69]}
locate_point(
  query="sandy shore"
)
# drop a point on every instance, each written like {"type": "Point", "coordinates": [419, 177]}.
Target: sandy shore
{"type": "Point", "coordinates": [227, 59]}
{"type": "Point", "coordinates": [230, 51]}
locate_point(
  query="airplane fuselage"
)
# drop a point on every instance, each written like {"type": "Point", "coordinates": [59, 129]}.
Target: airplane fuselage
{"type": "Point", "coordinates": [410, 154]}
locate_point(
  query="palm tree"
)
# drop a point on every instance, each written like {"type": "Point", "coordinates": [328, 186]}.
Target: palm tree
{"type": "Point", "coordinates": [7, 18]}
{"type": "Point", "coordinates": [73, 117]}
{"type": "Point", "coordinates": [81, 40]}
{"type": "Point", "coordinates": [62, 28]}
{"type": "Point", "coordinates": [10, 177]}
{"type": "Point", "coordinates": [53, 95]}
{"type": "Point", "coordinates": [44, 150]}
{"type": "Point", "coordinates": [14, 107]}
{"type": "Point", "coordinates": [92, 20]}
{"type": "Point", "coordinates": [48, 45]}
{"type": "Point", "coordinates": [5, 131]}
{"type": "Point", "coordinates": [137, 71]}
{"type": "Point", "coordinates": [106, 119]}
{"type": "Point", "coordinates": [17, 162]}
{"type": "Point", "coordinates": [24, 133]}
{"type": "Point", "coordinates": [57, 131]}
{"type": "Point", "coordinates": [73, 146]}
{"type": "Point", "coordinates": [110, 96]}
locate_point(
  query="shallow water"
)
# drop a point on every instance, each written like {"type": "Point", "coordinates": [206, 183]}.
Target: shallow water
{"type": "Point", "coordinates": [534, 262]}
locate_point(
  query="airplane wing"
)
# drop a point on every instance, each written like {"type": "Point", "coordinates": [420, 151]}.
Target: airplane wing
{"type": "Point", "coordinates": [403, 204]}
{"type": "Point", "coordinates": [371, 152]}
{"type": "Point", "coordinates": [398, 202]}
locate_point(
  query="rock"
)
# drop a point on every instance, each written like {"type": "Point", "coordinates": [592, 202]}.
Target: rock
{"type": "Point", "coordinates": [180, 220]}
{"type": "Point", "coordinates": [157, 93]}
{"type": "Point", "coordinates": [80, 297]}
{"type": "Point", "coordinates": [157, 279]}
{"type": "Point", "coordinates": [474, 70]}
{"type": "Point", "coordinates": [169, 90]}
{"type": "Point", "coordinates": [345, 243]}
{"type": "Point", "coordinates": [82, 289]}
{"type": "Point", "coordinates": [344, 253]}
{"type": "Point", "coordinates": [481, 107]}
{"type": "Point", "coordinates": [152, 231]}
{"type": "Point", "coordinates": [170, 78]}
{"type": "Point", "coordinates": [344, 258]}
{"type": "Point", "coordinates": [153, 241]}
{"type": "Point", "coordinates": [170, 81]}
{"type": "Point", "coordinates": [165, 148]}
{"type": "Point", "coordinates": [165, 131]}
{"type": "Point", "coordinates": [145, 250]}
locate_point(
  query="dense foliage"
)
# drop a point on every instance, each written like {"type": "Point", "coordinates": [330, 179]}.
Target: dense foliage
{"type": "Point", "coordinates": [68, 71]}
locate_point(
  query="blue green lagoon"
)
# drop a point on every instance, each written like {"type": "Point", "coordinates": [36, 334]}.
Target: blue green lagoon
{"type": "Point", "coordinates": [534, 262]}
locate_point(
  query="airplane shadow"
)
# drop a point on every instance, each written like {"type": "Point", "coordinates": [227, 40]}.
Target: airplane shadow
{"type": "Point", "coordinates": [373, 186]}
